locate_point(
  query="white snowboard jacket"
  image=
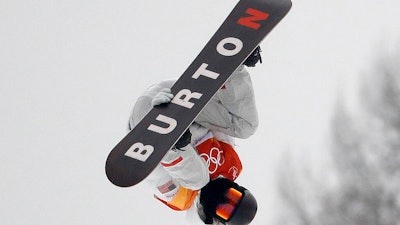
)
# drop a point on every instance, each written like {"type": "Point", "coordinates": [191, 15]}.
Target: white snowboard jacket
{"type": "Point", "coordinates": [230, 113]}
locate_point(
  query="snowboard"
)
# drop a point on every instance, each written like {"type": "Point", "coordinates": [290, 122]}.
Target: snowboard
{"type": "Point", "coordinates": [142, 149]}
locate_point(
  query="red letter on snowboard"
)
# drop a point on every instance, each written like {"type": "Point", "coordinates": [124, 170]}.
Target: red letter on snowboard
{"type": "Point", "coordinates": [256, 15]}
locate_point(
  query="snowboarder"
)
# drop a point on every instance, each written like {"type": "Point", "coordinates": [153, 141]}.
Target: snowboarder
{"type": "Point", "coordinates": [198, 174]}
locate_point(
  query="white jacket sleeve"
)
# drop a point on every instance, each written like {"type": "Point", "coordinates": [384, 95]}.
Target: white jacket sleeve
{"type": "Point", "coordinates": [233, 109]}
{"type": "Point", "coordinates": [163, 184]}
{"type": "Point", "coordinates": [143, 104]}
{"type": "Point", "coordinates": [186, 167]}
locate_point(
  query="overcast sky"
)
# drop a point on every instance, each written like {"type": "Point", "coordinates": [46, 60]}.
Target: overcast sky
{"type": "Point", "coordinates": [70, 72]}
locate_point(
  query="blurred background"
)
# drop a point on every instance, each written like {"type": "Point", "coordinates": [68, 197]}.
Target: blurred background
{"type": "Point", "coordinates": [328, 95]}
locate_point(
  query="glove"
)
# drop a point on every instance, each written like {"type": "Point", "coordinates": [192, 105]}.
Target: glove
{"type": "Point", "coordinates": [164, 96]}
{"type": "Point", "coordinates": [184, 140]}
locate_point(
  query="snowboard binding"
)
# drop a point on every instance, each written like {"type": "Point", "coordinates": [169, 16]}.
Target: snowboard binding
{"type": "Point", "coordinates": [253, 58]}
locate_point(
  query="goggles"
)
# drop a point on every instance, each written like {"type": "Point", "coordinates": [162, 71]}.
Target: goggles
{"type": "Point", "coordinates": [225, 211]}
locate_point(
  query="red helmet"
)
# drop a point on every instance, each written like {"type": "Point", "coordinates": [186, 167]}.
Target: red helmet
{"type": "Point", "coordinates": [226, 201]}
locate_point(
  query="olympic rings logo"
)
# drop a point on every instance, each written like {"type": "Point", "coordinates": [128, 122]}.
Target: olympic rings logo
{"type": "Point", "coordinates": [215, 159]}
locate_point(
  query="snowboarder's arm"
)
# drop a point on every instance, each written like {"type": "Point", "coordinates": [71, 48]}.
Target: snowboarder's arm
{"type": "Point", "coordinates": [186, 167]}
{"type": "Point", "coordinates": [232, 110]}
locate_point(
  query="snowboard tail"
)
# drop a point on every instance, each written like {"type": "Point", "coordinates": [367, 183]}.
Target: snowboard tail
{"type": "Point", "coordinates": [142, 149]}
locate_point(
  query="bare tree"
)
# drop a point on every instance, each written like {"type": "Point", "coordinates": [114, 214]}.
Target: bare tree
{"type": "Point", "coordinates": [365, 149]}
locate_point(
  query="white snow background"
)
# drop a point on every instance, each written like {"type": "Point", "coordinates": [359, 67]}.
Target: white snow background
{"type": "Point", "coordinates": [70, 72]}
